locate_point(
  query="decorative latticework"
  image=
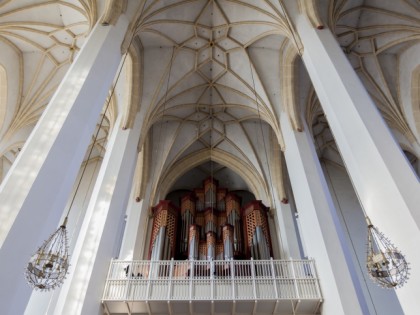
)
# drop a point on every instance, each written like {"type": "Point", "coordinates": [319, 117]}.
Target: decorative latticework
{"type": "Point", "coordinates": [202, 251]}
{"type": "Point", "coordinates": [165, 216]}
{"type": "Point", "coordinates": [255, 215]}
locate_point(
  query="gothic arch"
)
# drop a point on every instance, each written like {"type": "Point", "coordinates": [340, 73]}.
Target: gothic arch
{"type": "Point", "coordinates": [134, 88]}
{"type": "Point", "coordinates": [415, 98]}
{"type": "Point", "coordinates": [3, 93]}
{"type": "Point", "coordinates": [254, 180]}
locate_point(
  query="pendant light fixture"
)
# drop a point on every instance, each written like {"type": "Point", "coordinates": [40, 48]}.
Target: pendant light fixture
{"type": "Point", "coordinates": [47, 268]}
{"type": "Point", "coordinates": [385, 264]}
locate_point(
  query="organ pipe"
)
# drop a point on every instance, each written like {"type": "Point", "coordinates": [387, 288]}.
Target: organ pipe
{"type": "Point", "coordinates": [211, 224]}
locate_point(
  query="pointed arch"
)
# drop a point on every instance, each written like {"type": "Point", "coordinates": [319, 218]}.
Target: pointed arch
{"type": "Point", "coordinates": [310, 9]}
{"type": "Point", "coordinates": [3, 94]}
{"type": "Point", "coordinates": [251, 177]}
{"type": "Point", "coordinates": [134, 86]}
{"type": "Point", "coordinates": [415, 98]}
{"type": "Point", "coordinates": [289, 85]}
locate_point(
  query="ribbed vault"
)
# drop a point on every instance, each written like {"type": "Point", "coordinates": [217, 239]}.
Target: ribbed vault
{"type": "Point", "coordinates": [206, 74]}
{"type": "Point", "coordinates": [375, 35]}
{"type": "Point", "coordinates": [38, 42]}
{"type": "Point", "coordinates": [212, 78]}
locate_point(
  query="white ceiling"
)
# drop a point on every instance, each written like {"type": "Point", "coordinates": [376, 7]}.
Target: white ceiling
{"type": "Point", "coordinates": [212, 75]}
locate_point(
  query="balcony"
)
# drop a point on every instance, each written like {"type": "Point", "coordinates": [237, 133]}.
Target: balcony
{"type": "Point", "coordinates": [212, 287]}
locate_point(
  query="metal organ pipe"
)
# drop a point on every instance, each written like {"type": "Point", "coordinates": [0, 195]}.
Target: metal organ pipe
{"type": "Point", "coordinates": [224, 233]}
{"type": "Point", "coordinates": [211, 245]}
{"type": "Point", "coordinates": [193, 242]}
{"type": "Point", "coordinates": [188, 205]}
{"type": "Point", "coordinates": [263, 250]}
{"type": "Point", "coordinates": [228, 241]}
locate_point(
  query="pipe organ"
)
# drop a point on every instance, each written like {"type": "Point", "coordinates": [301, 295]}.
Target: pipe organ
{"type": "Point", "coordinates": [210, 224]}
{"type": "Point", "coordinates": [163, 241]}
{"type": "Point", "coordinates": [257, 234]}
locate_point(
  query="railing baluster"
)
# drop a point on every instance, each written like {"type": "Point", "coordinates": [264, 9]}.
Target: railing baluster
{"type": "Point", "coordinates": [315, 276]}
{"type": "Point", "coordinates": [273, 271]}
{"type": "Point", "coordinates": [292, 264]}
{"type": "Point", "coordinates": [212, 280]}
{"type": "Point", "coordinates": [232, 277]}
{"type": "Point", "coordinates": [171, 270]}
{"type": "Point", "coordinates": [254, 289]}
{"type": "Point", "coordinates": [151, 271]}
{"type": "Point", "coordinates": [191, 275]}
{"type": "Point", "coordinates": [129, 272]}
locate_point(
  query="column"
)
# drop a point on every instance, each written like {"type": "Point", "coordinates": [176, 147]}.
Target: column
{"type": "Point", "coordinates": [134, 243]}
{"type": "Point", "coordinates": [386, 185]}
{"type": "Point", "coordinates": [132, 225]}
{"type": "Point", "coordinates": [98, 239]}
{"type": "Point", "coordinates": [287, 231]}
{"type": "Point", "coordinates": [35, 191]}
{"type": "Point", "coordinates": [320, 227]}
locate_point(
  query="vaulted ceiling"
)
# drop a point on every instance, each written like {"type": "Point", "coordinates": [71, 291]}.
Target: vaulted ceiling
{"type": "Point", "coordinates": [211, 85]}
{"type": "Point", "coordinates": [211, 79]}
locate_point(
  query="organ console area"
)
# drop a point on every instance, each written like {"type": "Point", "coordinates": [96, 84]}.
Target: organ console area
{"type": "Point", "coordinates": [210, 224]}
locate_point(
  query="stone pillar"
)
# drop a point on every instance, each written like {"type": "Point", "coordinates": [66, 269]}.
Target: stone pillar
{"type": "Point", "coordinates": [134, 245]}
{"type": "Point", "coordinates": [320, 227]}
{"type": "Point", "coordinates": [98, 239]}
{"type": "Point", "coordinates": [287, 231]}
{"type": "Point", "coordinates": [385, 183]}
{"type": "Point", "coordinates": [132, 227]}
{"type": "Point", "coordinates": [34, 193]}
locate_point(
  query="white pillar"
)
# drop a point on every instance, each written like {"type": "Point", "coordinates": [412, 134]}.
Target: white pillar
{"type": "Point", "coordinates": [135, 242]}
{"type": "Point", "coordinates": [98, 239]}
{"type": "Point", "coordinates": [34, 193]}
{"type": "Point", "coordinates": [287, 231]}
{"type": "Point", "coordinates": [133, 228]}
{"type": "Point", "coordinates": [388, 189]}
{"type": "Point", "coordinates": [320, 226]}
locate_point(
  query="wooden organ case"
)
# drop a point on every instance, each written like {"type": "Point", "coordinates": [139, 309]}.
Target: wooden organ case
{"type": "Point", "coordinates": [210, 224]}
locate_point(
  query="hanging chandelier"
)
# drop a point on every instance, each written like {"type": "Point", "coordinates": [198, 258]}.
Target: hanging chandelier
{"type": "Point", "coordinates": [47, 268]}
{"type": "Point", "coordinates": [385, 264]}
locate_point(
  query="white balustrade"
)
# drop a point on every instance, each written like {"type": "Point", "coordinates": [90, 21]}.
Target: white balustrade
{"type": "Point", "coordinates": [199, 280]}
